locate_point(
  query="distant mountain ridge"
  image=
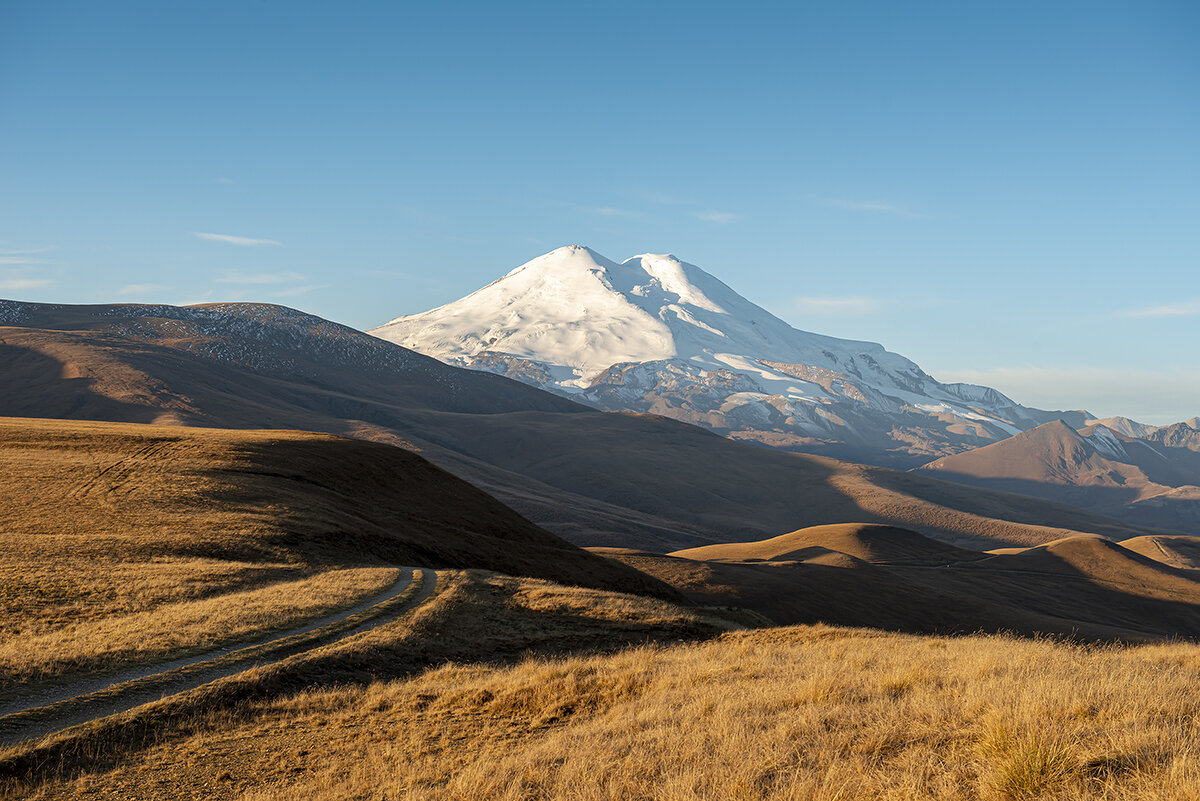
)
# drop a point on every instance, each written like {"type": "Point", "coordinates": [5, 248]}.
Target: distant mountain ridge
{"type": "Point", "coordinates": [656, 334]}
{"type": "Point", "coordinates": [1152, 479]}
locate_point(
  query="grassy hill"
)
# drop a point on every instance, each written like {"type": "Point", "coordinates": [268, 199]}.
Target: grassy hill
{"type": "Point", "coordinates": [885, 577]}
{"type": "Point", "coordinates": [127, 542]}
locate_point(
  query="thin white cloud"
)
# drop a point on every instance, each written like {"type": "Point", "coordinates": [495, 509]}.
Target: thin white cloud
{"type": "Point", "coordinates": [25, 251]}
{"type": "Point", "coordinates": [871, 206]}
{"type": "Point", "coordinates": [1187, 308]}
{"type": "Point", "coordinates": [24, 259]}
{"type": "Point", "coordinates": [259, 278]}
{"type": "Point", "coordinates": [1157, 397]}
{"type": "Point", "coordinates": [10, 284]}
{"type": "Point", "coordinates": [140, 289]}
{"type": "Point", "coordinates": [719, 217]}
{"type": "Point", "coordinates": [835, 307]}
{"type": "Point", "coordinates": [598, 211]}
{"type": "Point", "coordinates": [298, 290]}
{"type": "Point", "coordinates": [18, 258]}
{"type": "Point", "coordinates": [242, 241]}
{"type": "Point", "coordinates": [205, 298]}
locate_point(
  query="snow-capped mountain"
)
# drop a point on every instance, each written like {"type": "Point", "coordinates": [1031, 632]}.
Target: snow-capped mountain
{"type": "Point", "coordinates": [655, 334]}
{"type": "Point", "coordinates": [1123, 425]}
{"type": "Point", "coordinates": [1184, 435]}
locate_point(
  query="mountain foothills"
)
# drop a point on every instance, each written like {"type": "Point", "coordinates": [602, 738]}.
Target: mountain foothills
{"type": "Point", "coordinates": [655, 334]}
{"type": "Point", "coordinates": [594, 478]}
{"type": "Point", "coordinates": [188, 487]}
{"type": "Point", "coordinates": [1143, 474]}
{"type": "Point", "coordinates": [886, 577]}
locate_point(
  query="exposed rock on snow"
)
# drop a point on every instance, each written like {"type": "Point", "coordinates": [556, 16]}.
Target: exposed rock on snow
{"type": "Point", "coordinates": [656, 334]}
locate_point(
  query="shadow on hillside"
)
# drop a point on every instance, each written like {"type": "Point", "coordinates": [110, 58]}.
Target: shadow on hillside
{"type": "Point", "coordinates": [1106, 605]}
{"type": "Point", "coordinates": [1116, 502]}
{"type": "Point", "coordinates": [35, 386]}
{"type": "Point", "coordinates": [489, 622]}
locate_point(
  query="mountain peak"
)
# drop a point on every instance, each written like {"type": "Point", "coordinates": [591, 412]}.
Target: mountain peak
{"type": "Point", "coordinates": [567, 251]}
{"type": "Point", "coordinates": [1123, 425]}
{"type": "Point", "coordinates": [575, 309]}
{"type": "Point", "coordinates": [619, 335]}
{"type": "Point", "coordinates": [655, 257]}
{"type": "Point", "coordinates": [579, 257]}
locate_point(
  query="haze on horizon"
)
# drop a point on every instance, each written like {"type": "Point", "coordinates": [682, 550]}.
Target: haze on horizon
{"type": "Point", "coordinates": [1007, 196]}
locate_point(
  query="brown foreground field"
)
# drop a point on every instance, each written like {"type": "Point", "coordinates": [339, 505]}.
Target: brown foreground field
{"type": "Point", "coordinates": [804, 713]}
{"type": "Point", "coordinates": [185, 627]}
{"type": "Point", "coordinates": [125, 544]}
{"type": "Point", "coordinates": [501, 688]}
{"type": "Point", "coordinates": [186, 746]}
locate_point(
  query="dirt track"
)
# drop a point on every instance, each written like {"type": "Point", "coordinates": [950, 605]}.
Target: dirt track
{"type": "Point", "coordinates": [61, 707]}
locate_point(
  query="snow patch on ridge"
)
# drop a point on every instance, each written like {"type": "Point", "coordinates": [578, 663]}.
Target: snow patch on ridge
{"type": "Point", "coordinates": [1107, 443]}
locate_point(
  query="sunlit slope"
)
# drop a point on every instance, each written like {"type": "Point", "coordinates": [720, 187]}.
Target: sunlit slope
{"type": "Point", "coordinates": [1175, 550]}
{"type": "Point", "coordinates": [1151, 481]}
{"type": "Point", "coordinates": [86, 490]}
{"type": "Point", "coordinates": [865, 541]}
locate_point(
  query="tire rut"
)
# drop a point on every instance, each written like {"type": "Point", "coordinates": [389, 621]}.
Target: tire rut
{"type": "Point", "coordinates": [55, 709]}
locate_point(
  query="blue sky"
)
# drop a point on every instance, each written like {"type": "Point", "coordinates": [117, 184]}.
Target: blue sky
{"type": "Point", "coordinates": [1005, 193]}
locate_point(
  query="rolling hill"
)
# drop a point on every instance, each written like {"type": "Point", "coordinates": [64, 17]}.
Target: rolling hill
{"type": "Point", "coordinates": [885, 577]}
{"type": "Point", "coordinates": [105, 492]}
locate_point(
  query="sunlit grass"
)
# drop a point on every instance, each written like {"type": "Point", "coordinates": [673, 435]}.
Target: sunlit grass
{"type": "Point", "coordinates": [172, 629]}
{"type": "Point", "coordinates": [801, 713]}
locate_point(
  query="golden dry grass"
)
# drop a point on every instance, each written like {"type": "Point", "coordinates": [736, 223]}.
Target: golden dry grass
{"type": "Point", "coordinates": [804, 713]}
{"type": "Point", "coordinates": [43, 589]}
{"type": "Point", "coordinates": [179, 747]}
{"type": "Point", "coordinates": [123, 543]}
{"type": "Point", "coordinates": [808, 712]}
{"type": "Point", "coordinates": [139, 493]}
{"type": "Point", "coordinates": [175, 629]}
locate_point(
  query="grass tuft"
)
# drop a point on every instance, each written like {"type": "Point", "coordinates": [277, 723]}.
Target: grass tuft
{"type": "Point", "coordinates": [1022, 766]}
